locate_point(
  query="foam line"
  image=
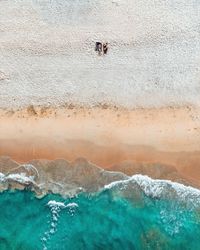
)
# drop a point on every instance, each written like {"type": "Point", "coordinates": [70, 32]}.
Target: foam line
{"type": "Point", "coordinates": [159, 188]}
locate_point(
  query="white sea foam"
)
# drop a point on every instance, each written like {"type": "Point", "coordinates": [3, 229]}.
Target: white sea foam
{"type": "Point", "coordinates": [55, 204]}
{"type": "Point", "coordinates": [30, 167]}
{"type": "Point", "coordinates": [2, 177]}
{"type": "Point", "coordinates": [56, 207]}
{"type": "Point", "coordinates": [172, 222]}
{"type": "Point", "coordinates": [72, 208]}
{"type": "Point", "coordinates": [21, 178]}
{"type": "Point", "coordinates": [159, 188]}
{"type": "Point", "coordinates": [72, 205]}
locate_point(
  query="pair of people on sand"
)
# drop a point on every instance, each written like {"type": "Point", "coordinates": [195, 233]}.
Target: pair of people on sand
{"type": "Point", "coordinates": [101, 48]}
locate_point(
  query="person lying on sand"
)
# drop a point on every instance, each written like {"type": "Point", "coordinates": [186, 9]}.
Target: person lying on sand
{"type": "Point", "coordinates": [105, 48]}
{"type": "Point", "coordinates": [98, 48]}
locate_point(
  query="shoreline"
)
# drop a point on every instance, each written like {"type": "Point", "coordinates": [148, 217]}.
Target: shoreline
{"type": "Point", "coordinates": [68, 179]}
{"type": "Point", "coordinates": [113, 138]}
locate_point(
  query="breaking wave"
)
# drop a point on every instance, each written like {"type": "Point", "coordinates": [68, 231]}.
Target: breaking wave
{"type": "Point", "coordinates": [136, 213]}
{"type": "Point", "coordinates": [81, 206]}
{"type": "Point", "coordinates": [158, 189]}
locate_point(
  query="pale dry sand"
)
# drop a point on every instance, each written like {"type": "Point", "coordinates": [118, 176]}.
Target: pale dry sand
{"type": "Point", "coordinates": [132, 141]}
{"type": "Point", "coordinates": [48, 58]}
{"type": "Point", "coordinates": [47, 52]}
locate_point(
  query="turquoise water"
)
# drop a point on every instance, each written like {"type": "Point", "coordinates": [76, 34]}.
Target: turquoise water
{"type": "Point", "coordinates": [110, 219]}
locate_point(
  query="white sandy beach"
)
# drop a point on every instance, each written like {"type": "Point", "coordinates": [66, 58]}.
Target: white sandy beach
{"type": "Point", "coordinates": [138, 103]}
{"type": "Point", "coordinates": [47, 53]}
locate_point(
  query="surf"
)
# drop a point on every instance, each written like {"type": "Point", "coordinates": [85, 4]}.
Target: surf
{"type": "Point", "coordinates": [130, 214]}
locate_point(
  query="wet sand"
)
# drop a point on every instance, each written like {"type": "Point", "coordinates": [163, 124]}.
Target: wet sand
{"type": "Point", "coordinates": [161, 142]}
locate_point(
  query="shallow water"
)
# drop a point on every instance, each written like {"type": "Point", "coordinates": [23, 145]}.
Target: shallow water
{"type": "Point", "coordinates": [115, 218]}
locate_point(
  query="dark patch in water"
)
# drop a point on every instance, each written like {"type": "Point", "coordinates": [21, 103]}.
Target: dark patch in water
{"type": "Point", "coordinates": [109, 219]}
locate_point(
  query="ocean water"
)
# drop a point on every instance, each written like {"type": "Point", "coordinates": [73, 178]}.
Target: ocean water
{"type": "Point", "coordinates": [120, 216]}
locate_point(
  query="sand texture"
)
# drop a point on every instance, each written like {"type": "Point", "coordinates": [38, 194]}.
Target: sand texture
{"type": "Point", "coordinates": [134, 110]}
{"type": "Point", "coordinates": [63, 177]}
{"type": "Point", "coordinates": [47, 52]}
{"type": "Point", "coordinates": [158, 142]}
